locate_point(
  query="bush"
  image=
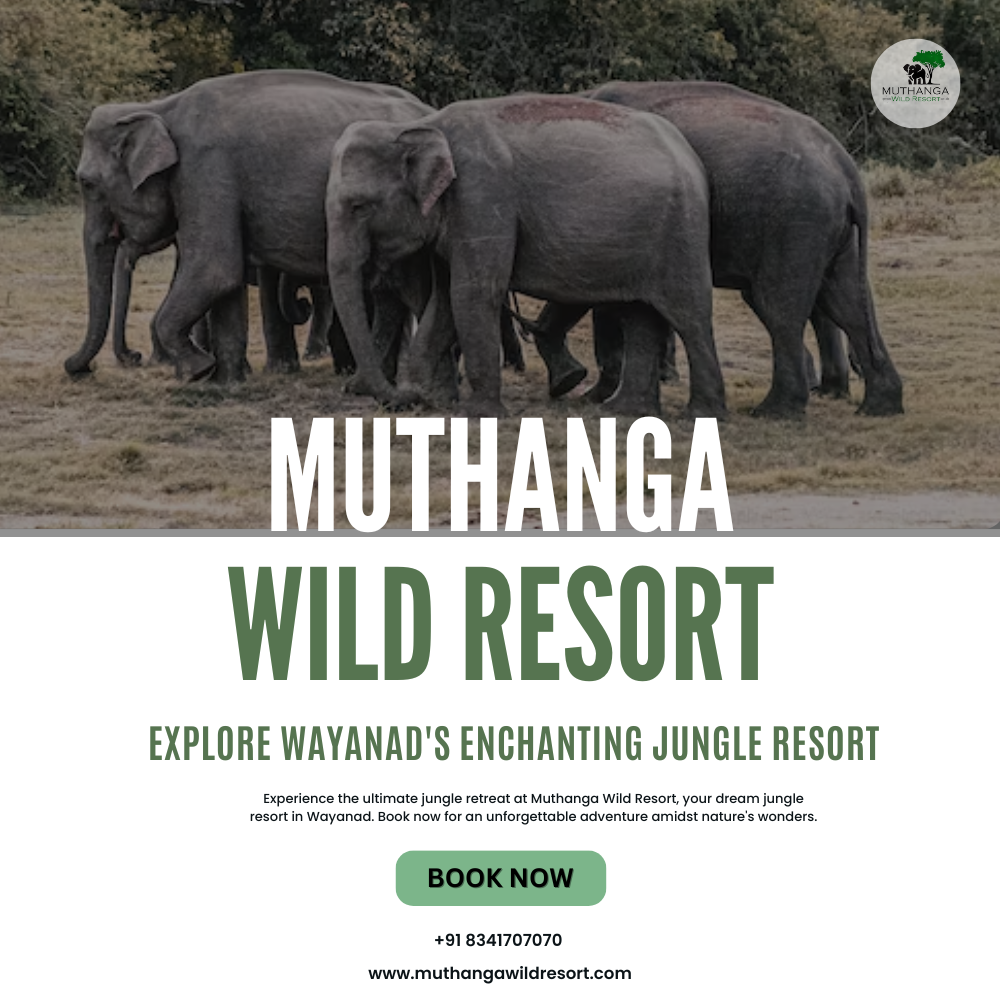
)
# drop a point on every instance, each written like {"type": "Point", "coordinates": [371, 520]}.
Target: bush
{"type": "Point", "coordinates": [191, 48]}
{"type": "Point", "coordinates": [59, 58]}
{"type": "Point", "coordinates": [30, 145]}
{"type": "Point", "coordinates": [883, 181]}
{"type": "Point", "coordinates": [981, 176]}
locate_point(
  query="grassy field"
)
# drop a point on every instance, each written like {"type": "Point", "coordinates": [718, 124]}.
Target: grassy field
{"type": "Point", "coordinates": [133, 448]}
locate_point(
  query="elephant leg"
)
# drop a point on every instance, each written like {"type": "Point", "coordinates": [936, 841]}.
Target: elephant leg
{"type": "Point", "coordinates": [343, 359]}
{"type": "Point", "coordinates": [442, 344]}
{"type": "Point", "coordinates": [443, 390]}
{"type": "Point", "coordinates": [846, 298]}
{"type": "Point", "coordinates": [198, 282]}
{"type": "Point", "coordinates": [832, 357]}
{"type": "Point", "coordinates": [477, 324]}
{"type": "Point", "coordinates": [158, 356]}
{"type": "Point", "coordinates": [228, 323]}
{"type": "Point", "coordinates": [404, 292]}
{"type": "Point", "coordinates": [279, 334]}
{"type": "Point", "coordinates": [549, 332]}
{"type": "Point", "coordinates": [686, 305]}
{"type": "Point", "coordinates": [785, 320]}
{"type": "Point", "coordinates": [318, 343]}
{"type": "Point", "coordinates": [326, 323]}
{"type": "Point", "coordinates": [513, 356]}
{"type": "Point", "coordinates": [390, 320]}
{"type": "Point", "coordinates": [124, 267]}
{"type": "Point", "coordinates": [609, 341]}
{"type": "Point", "coordinates": [431, 362]}
{"type": "Point", "coordinates": [638, 390]}
{"type": "Point", "coordinates": [201, 334]}
{"type": "Point", "coordinates": [668, 361]}
{"type": "Point", "coordinates": [812, 379]}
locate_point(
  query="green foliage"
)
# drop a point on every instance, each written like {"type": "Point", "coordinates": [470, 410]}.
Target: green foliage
{"type": "Point", "coordinates": [814, 56]}
{"type": "Point", "coordinates": [28, 140]}
{"type": "Point", "coordinates": [390, 42]}
{"type": "Point", "coordinates": [971, 33]}
{"type": "Point", "coordinates": [930, 58]}
{"type": "Point", "coordinates": [817, 58]}
{"type": "Point", "coordinates": [58, 58]}
{"type": "Point", "coordinates": [192, 47]}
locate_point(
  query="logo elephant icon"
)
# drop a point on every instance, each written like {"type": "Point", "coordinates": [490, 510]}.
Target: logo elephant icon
{"type": "Point", "coordinates": [916, 73]}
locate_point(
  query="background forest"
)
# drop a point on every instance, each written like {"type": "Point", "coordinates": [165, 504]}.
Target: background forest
{"type": "Point", "coordinates": [58, 58]}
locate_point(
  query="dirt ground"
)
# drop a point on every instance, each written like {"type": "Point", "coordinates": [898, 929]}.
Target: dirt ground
{"type": "Point", "coordinates": [929, 511]}
{"type": "Point", "coordinates": [134, 449]}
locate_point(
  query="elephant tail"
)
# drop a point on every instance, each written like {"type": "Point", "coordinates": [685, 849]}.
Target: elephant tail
{"type": "Point", "coordinates": [859, 220]}
{"type": "Point", "coordinates": [845, 294]}
{"type": "Point", "coordinates": [512, 311]}
{"type": "Point", "coordinates": [294, 309]}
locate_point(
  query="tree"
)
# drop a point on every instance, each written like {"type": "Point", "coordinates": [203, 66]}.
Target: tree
{"type": "Point", "coordinates": [972, 35]}
{"type": "Point", "coordinates": [58, 58]}
{"type": "Point", "coordinates": [970, 32]}
{"type": "Point", "coordinates": [932, 59]}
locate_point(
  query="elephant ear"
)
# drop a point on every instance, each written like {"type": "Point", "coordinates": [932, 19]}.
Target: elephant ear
{"type": "Point", "coordinates": [427, 164]}
{"type": "Point", "coordinates": [147, 148]}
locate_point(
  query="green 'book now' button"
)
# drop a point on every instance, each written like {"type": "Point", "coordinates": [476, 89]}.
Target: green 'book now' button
{"type": "Point", "coordinates": [501, 878]}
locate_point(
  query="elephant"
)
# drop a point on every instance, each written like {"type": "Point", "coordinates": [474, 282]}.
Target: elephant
{"type": "Point", "coordinates": [538, 194]}
{"type": "Point", "coordinates": [235, 169]}
{"type": "Point", "coordinates": [126, 257]}
{"type": "Point", "coordinates": [789, 231]}
{"type": "Point", "coordinates": [282, 310]}
{"type": "Point", "coordinates": [566, 372]}
{"type": "Point", "coordinates": [325, 318]}
{"type": "Point", "coordinates": [279, 307]}
{"type": "Point", "coordinates": [916, 73]}
{"type": "Point", "coordinates": [326, 332]}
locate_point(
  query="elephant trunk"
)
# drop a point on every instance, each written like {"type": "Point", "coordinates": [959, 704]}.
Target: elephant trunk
{"type": "Point", "coordinates": [124, 267]}
{"type": "Point", "coordinates": [347, 286]}
{"type": "Point", "coordinates": [100, 247]}
{"type": "Point", "coordinates": [122, 297]}
{"type": "Point", "coordinates": [295, 310]}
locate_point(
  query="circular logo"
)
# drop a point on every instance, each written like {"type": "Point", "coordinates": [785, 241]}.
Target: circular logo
{"type": "Point", "coordinates": [915, 83]}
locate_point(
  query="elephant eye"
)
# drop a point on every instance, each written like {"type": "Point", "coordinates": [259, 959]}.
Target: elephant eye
{"type": "Point", "coordinates": [361, 208]}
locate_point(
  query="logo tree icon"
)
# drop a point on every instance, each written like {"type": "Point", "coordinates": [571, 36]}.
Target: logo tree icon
{"type": "Point", "coordinates": [932, 60]}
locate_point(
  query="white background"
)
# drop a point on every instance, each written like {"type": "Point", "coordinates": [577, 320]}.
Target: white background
{"type": "Point", "coordinates": [125, 877]}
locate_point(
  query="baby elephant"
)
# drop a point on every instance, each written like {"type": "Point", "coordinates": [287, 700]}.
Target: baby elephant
{"type": "Point", "coordinates": [561, 198]}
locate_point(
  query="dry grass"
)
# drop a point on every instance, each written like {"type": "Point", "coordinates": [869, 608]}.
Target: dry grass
{"type": "Point", "coordinates": [132, 448]}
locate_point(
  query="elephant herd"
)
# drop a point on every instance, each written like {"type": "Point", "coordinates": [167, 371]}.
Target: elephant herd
{"type": "Point", "coordinates": [412, 227]}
